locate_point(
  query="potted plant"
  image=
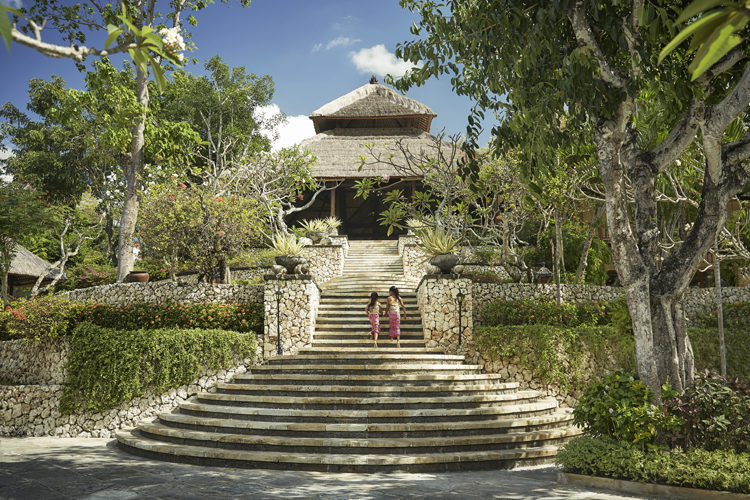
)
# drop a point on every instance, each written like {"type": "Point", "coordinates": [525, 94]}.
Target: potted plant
{"type": "Point", "coordinates": [414, 225]}
{"type": "Point", "coordinates": [332, 225]}
{"type": "Point", "coordinates": [289, 251]}
{"type": "Point", "coordinates": [315, 229]}
{"type": "Point", "coordinates": [440, 247]}
{"type": "Point", "coordinates": [137, 276]}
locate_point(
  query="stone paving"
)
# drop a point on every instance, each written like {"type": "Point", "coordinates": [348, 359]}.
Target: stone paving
{"type": "Point", "coordinates": [40, 468]}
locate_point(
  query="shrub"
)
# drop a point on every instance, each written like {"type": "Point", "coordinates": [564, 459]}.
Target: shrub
{"type": "Point", "coordinates": [736, 315]}
{"type": "Point", "coordinates": [618, 407]}
{"type": "Point", "coordinates": [544, 312]}
{"type": "Point", "coordinates": [107, 366]}
{"type": "Point", "coordinates": [237, 317]}
{"type": "Point", "coordinates": [694, 468]}
{"type": "Point", "coordinates": [487, 277]}
{"type": "Point", "coordinates": [556, 354]}
{"type": "Point", "coordinates": [705, 343]}
{"type": "Point", "coordinates": [37, 319]}
{"type": "Point", "coordinates": [716, 414]}
{"type": "Point", "coordinates": [86, 277]}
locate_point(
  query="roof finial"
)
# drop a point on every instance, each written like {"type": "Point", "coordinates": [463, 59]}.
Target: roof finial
{"type": "Point", "coordinates": [373, 80]}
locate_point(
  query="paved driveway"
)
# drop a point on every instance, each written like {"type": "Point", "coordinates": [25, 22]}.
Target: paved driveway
{"type": "Point", "coordinates": [95, 469]}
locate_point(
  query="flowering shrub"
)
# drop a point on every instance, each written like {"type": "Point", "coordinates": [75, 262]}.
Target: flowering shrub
{"type": "Point", "coordinates": [87, 276]}
{"type": "Point", "coordinates": [173, 41]}
{"type": "Point", "coordinates": [241, 318]}
{"type": "Point", "coordinates": [618, 406]}
{"type": "Point", "coordinates": [545, 312]}
{"type": "Point", "coordinates": [37, 319]}
{"type": "Point", "coordinates": [716, 414]}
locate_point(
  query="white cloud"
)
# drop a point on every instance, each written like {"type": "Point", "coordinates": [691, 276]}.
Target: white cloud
{"type": "Point", "coordinates": [288, 132]}
{"type": "Point", "coordinates": [316, 47]}
{"type": "Point", "coordinates": [377, 60]}
{"type": "Point", "coordinates": [342, 41]}
{"type": "Point", "coordinates": [16, 4]}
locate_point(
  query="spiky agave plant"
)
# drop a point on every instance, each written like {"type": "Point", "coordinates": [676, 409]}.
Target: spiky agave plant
{"type": "Point", "coordinates": [287, 244]}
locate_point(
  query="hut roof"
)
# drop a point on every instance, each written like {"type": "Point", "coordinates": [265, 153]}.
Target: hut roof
{"type": "Point", "coordinates": [26, 263]}
{"type": "Point", "coordinates": [339, 151]}
{"type": "Point", "coordinates": [373, 102]}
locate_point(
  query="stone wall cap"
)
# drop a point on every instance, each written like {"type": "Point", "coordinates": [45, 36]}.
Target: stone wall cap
{"type": "Point", "coordinates": [334, 245]}
{"type": "Point", "coordinates": [442, 277]}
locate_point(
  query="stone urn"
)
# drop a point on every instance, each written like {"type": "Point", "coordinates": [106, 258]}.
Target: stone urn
{"type": "Point", "coordinates": [445, 262]}
{"type": "Point", "coordinates": [315, 236]}
{"type": "Point", "coordinates": [137, 277]}
{"type": "Point", "coordinates": [289, 262]}
{"type": "Point", "coordinates": [333, 231]}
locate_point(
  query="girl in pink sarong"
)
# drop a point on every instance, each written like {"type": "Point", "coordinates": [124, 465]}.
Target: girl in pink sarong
{"type": "Point", "coordinates": [395, 304]}
{"type": "Point", "coordinates": [373, 312]}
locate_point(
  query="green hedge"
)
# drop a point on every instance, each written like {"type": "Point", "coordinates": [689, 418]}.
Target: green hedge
{"type": "Point", "coordinates": [694, 468]}
{"type": "Point", "coordinates": [236, 317]}
{"type": "Point", "coordinates": [108, 366]}
{"type": "Point", "coordinates": [545, 312]}
{"type": "Point", "coordinates": [556, 354]}
{"type": "Point", "coordinates": [705, 343]}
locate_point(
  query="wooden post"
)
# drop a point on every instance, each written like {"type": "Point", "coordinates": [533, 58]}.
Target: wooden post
{"type": "Point", "coordinates": [333, 202]}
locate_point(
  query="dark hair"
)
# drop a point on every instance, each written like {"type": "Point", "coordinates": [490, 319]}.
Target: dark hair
{"type": "Point", "coordinates": [394, 291]}
{"type": "Point", "coordinates": [373, 299]}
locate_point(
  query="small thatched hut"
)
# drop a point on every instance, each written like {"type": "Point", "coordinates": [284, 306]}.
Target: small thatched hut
{"type": "Point", "coordinates": [25, 268]}
{"type": "Point", "coordinates": [373, 123]}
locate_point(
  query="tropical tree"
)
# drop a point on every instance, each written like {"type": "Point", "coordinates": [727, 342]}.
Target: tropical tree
{"type": "Point", "coordinates": [591, 62]}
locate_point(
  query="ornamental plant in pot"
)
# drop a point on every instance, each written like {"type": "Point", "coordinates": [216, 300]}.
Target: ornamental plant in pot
{"type": "Point", "coordinates": [440, 247]}
{"type": "Point", "coordinates": [315, 229]}
{"type": "Point", "coordinates": [289, 250]}
{"type": "Point", "coordinates": [137, 277]}
{"type": "Point", "coordinates": [332, 225]}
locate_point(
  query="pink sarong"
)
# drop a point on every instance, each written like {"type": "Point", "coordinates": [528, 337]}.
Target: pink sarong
{"type": "Point", "coordinates": [375, 323]}
{"type": "Point", "coordinates": [394, 321]}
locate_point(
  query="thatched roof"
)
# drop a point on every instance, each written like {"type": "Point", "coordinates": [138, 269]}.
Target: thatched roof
{"type": "Point", "coordinates": [25, 263]}
{"type": "Point", "coordinates": [373, 106]}
{"type": "Point", "coordinates": [339, 150]}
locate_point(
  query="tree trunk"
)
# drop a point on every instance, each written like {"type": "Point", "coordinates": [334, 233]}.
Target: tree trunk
{"type": "Point", "coordinates": [133, 171]}
{"type": "Point", "coordinates": [109, 230]}
{"type": "Point", "coordinates": [4, 287]}
{"type": "Point", "coordinates": [676, 363]}
{"type": "Point", "coordinates": [583, 262]}
{"type": "Point", "coordinates": [557, 250]}
{"type": "Point", "coordinates": [720, 310]}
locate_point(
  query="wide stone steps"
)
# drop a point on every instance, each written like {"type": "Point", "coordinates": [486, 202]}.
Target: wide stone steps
{"type": "Point", "coordinates": [341, 462]}
{"type": "Point", "coordinates": [343, 405]}
{"type": "Point", "coordinates": [360, 430]}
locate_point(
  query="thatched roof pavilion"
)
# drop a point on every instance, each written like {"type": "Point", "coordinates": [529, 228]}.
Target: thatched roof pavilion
{"type": "Point", "coordinates": [26, 267]}
{"type": "Point", "coordinates": [375, 122]}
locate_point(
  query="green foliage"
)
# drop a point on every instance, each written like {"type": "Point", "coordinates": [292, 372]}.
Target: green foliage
{"type": "Point", "coordinates": [716, 415]}
{"type": "Point", "coordinates": [332, 222]}
{"type": "Point", "coordinates": [705, 342]}
{"type": "Point", "coordinates": [37, 319]}
{"type": "Point", "coordinates": [287, 244]}
{"type": "Point", "coordinates": [87, 276]}
{"type": "Point", "coordinates": [545, 312]}
{"type": "Point", "coordinates": [314, 225]}
{"type": "Point", "coordinates": [693, 468]}
{"type": "Point", "coordinates": [255, 257]}
{"type": "Point", "coordinates": [437, 241]}
{"type": "Point", "coordinates": [558, 355]}
{"type": "Point", "coordinates": [618, 406]}
{"type": "Point", "coordinates": [109, 366]}
{"type": "Point", "coordinates": [736, 315]}
{"type": "Point", "coordinates": [236, 317]}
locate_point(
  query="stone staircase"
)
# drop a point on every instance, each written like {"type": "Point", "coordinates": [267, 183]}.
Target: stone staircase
{"type": "Point", "coordinates": [343, 405]}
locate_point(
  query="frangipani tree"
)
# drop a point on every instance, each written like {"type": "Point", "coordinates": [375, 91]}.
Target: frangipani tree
{"type": "Point", "coordinates": [591, 61]}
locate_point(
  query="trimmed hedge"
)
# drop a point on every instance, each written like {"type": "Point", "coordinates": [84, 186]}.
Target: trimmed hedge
{"type": "Point", "coordinates": [235, 317]}
{"type": "Point", "coordinates": [705, 343]}
{"type": "Point", "coordinates": [107, 366]}
{"type": "Point", "coordinates": [556, 354]}
{"type": "Point", "coordinates": [694, 468]}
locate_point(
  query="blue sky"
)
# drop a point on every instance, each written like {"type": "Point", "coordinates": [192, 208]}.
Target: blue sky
{"type": "Point", "coordinates": [315, 51]}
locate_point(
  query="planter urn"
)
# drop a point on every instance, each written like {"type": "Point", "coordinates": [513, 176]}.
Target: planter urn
{"type": "Point", "coordinates": [315, 236]}
{"type": "Point", "coordinates": [289, 262]}
{"type": "Point", "coordinates": [137, 277]}
{"type": "Point", "coordinates": [445, 262]}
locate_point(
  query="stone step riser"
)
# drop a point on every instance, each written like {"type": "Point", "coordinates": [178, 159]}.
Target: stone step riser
{"type": "Point", "coordinates": [343, 364]}
{"type": "Point", "coordinates": [383, 343]}
{"type": "Point", "coordinates": [366, 407]}
{"type": "Point", "coordinates": [346, 401]}
{"type": "Point", "coordinates": [401, 380]}
{"type": "Point", "coordinates": [297, 448]}
{"type": "Point", "coordinates": [217, 413]}
{"type": "Point", "coordinates": [406, 431]}
{"type": "Point", "coordinates": [312, 392]}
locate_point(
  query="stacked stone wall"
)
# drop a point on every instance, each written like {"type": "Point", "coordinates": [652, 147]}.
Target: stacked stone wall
{"type": "Point", "coordinates": [161, 292]}
{"type": "Point", "coordinates": [23, 362]}
{"type": "Point", "coordinates": [296, 309]}
{"type": "Point", "coordinates": [325, 261]}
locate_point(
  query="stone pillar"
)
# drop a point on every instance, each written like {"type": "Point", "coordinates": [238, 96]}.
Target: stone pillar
{"type": "Point", "coordinates": [325, 261]}
{"type": "Point", "coordinates": [298, 309]}
{"type": "Point", "coordinates": [438, 305]}
{"type": "Point", "coordinates": [414, 263]}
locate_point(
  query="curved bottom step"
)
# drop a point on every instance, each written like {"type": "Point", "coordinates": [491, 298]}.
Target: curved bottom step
{"type": "Point", "coordinates": [133, 442]}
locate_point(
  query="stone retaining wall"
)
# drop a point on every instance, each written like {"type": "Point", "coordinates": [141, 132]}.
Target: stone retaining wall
{"type": "Point", "coordinates": [24, 362]}
{"type": "Point", "coordinates": [326, 261]}
{"type": "Point", "coordinates": [160, 292]}
{"type": "Point", "coordinates": [436, 296]}
{"type": "Point", "coordinates": [414, 263]}
{"type": "Point", "coordinates": [298, 308]}
{"type": "Point", "coordinates": [34, 410]}
{"type": "Point", "coordinates": [343, 240]}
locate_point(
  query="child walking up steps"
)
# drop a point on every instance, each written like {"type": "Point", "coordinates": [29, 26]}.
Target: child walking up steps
{"type": "Point", "coordinates": [393, 309]}
{"type": "Point", "coordinates": [373, 312]}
